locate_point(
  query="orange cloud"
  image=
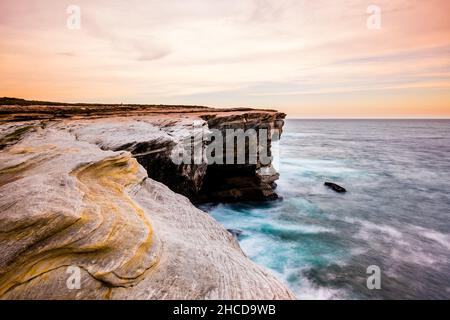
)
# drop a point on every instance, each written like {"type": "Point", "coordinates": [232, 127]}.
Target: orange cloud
{"type": "Point", "coordinates": [306, 58]}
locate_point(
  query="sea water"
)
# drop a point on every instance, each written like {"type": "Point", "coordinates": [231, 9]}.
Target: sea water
{"type": "Point", "coordinates": [395, 214]}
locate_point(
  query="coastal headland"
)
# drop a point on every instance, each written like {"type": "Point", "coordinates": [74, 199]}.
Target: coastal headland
{"type": "Point", "coordinates": [93, 188]}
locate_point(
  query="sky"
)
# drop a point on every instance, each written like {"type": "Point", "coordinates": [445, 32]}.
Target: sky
{"type": "Point", "coordinates": [310, 59]}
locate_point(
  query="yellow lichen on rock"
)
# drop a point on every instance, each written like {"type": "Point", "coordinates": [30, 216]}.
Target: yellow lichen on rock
{"type": "Point", "coordinates": [66, 201]}
{"type": "Point", "coordinates": [110, 237]}
{"type": "Point", "coordinates": [104, 184]}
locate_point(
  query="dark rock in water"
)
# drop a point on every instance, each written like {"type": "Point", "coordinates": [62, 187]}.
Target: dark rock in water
{"type": "Point", "coordinates": [335, 187]}
{"type": "Point", "coordinates": [235, 232]}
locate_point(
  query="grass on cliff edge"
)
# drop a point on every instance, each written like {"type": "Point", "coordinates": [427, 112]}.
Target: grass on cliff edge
{"type": "Point", "coordinates": [7, 101]}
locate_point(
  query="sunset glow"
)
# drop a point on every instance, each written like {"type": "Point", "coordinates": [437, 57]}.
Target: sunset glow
{"type": "Point", "coordinates": [306, 58]}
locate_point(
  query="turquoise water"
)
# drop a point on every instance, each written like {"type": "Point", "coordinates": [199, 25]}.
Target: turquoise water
{"type": "Point", "coordinates": [395, 214]}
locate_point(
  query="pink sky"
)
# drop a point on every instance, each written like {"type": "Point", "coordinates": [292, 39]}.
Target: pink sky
{"type": "Point", "coordinates": [307, 58]}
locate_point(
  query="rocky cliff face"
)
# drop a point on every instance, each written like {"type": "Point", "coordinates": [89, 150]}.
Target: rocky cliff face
{"type": "Point", "coordinates": [237, 182]}
{"type": "Point", "coordinates": [153, 139]}
{"type": "Point", "coordinates": [75, 193]}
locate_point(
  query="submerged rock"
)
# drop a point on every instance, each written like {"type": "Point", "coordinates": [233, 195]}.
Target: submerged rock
{"type": "Point", "coordinates": [335, 187]}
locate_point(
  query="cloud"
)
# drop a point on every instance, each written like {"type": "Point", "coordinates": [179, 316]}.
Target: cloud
{"type": "Point", "coordinates": [124, 41]}
{"type": "Point", "coordinates": [221, 52]}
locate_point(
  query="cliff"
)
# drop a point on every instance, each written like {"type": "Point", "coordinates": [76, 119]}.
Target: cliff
{"type": "Point", "coordinates": [79, 188]}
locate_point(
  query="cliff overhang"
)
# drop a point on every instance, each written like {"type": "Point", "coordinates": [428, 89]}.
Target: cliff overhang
{"type": "Point", "coordinates": [77, 193]}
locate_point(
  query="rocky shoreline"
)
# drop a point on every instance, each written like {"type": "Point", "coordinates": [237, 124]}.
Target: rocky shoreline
{"type": "Point", "coordinates": [92, 186]}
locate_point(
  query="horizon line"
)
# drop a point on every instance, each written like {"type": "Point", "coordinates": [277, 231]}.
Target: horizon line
{"type": "Point", "coordinates": [288, 117]}
{"type": "Point", "coordinates": [367, 118]}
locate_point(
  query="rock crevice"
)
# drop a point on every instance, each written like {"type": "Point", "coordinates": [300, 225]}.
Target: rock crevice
{"type": "Point", "coordinates": [74, 193]}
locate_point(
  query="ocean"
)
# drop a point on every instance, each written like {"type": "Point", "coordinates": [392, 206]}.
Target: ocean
{"type": "Point", "coordinates": [395, 214]}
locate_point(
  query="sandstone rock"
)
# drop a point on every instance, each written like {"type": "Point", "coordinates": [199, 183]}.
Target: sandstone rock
{"type": "Point", "coordinates": [73, 194]}
{"type": "Point", "coordinates": [153, 139]}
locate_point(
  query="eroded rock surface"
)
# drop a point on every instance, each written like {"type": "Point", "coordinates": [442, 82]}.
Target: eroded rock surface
{"type": "Point", "coordinates": [73, 193]}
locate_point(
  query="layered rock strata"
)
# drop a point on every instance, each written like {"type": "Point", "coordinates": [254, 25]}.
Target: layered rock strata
{"type": "Point", "coordinates": [75, 193]}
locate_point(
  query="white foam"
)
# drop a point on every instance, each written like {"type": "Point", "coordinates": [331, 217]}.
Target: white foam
{"type": "Point", "coordinates": [305, 229]}
{"type": "Point", "coordinates": [406, 245]}
{"type": "Point", "coordinates": [308, 291]}
{"type": "Point", "coordinates": [436, 236]}
{"type": "Point", "coordinates": [368, 227]}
